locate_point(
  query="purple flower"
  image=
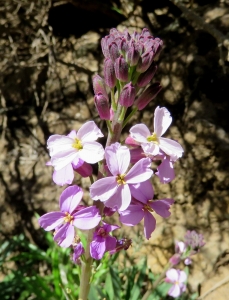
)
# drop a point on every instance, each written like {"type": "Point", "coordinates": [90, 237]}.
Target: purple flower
{"type": "Point", "coordinates": [81, 145]}
{"type": "Point", "coordinates": [123, 243]}
{"type": "Point", "coordinates": [165, 170]}
{"type": "Point", "coordinates": [70, 215]}
{"type": "Point", "coordinates": [194, 240]}
{"type": "Point", "coordinates": [78, 250]}
{"type": "Point", "coordinates": [115, 191]}
{"type": "Point", "coordinates": [102, 241]}
{"type": "Point", "coordinates": [144, 209]}
{"type": "Point", "coordinates": [152, 143]}
{"type": "Point", "coordinates": [177, 278]}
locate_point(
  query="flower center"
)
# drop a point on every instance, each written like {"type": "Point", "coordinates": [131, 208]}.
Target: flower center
{"type": "Point", "coordinates": [153, 138]}
{"type": "Point", "coordinates": [148, 208]}
{"type": "Point", "coordinates": [120, 179]}
{"type": "Point", "coordinates": [102, 232]}
{"type": "Point", "coordinates": [68, 218]}
{"type": "Point", "coordinates": [77, 144]}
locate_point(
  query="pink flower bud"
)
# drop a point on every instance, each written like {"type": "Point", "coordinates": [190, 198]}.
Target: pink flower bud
{"type": "Point", "coordinates": [147, 76]}
{"type": "Point", "coordinates": [104, 45]}
{"type": "Point", "coordinates": [145, 61]}
{"type": "Point", "coordinates": [148, 95]}
{"type": "Point", "coordinates": [109, 73]}
{"type": "Point", "coordinates": [123, 47]}
{"type": "Point", "coordinates": [113, 51]}
{"type": "Point", "coordinates": [102, 105]}
{"type": "Point", "coordinates": [85, 170]}
{"type": "Point", "coordinates": [121, 69]}
{"type": "Point", "coordinates": [132, 56]}
{"type": "Point", "coordinates": [175, 259]}
{"type": "Point", "coordinates": [127, 95]}
{"type": "Point", "coordinates": [99, 86]}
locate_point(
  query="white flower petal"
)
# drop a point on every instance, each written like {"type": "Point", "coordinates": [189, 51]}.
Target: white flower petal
{"type": "Point", "coordinates": [162, 120]}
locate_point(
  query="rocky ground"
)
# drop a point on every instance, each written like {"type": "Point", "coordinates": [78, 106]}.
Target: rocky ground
{"type": "Point", "coordinates": [49, 52]}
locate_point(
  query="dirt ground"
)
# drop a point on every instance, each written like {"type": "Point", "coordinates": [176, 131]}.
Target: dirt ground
{"type": "Point", "coordinates": [49, 51]}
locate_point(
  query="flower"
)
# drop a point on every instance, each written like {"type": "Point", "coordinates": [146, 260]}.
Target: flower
{"type": "Point", "coordinates": [152, 143]}
{"type": "Point", "coordinates": [144, 208]}
{"type": "Point", "coordinates": [194, 240]}
{"type": "Point", "coordinates": [70, 215]}
{"type": "Point", "coordinates": [177, 278]}
{"type": "Point", "coordinates": [102, 241]}
{"type": "Point", "coordinates": [123, 243]}
{"type": "Point", "coordinates": [115, 191]}
{"type": "Point", "coordinates": [78, 250]}
{"type": "Point", "coordinates": [81, 145]}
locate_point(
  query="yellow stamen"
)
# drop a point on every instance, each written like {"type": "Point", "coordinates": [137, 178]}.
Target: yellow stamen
{"type": "Point", "coordinates": [77, 144]}
{"type": "Point", "coordinates": [149, 208]}
{"type": "Point", "coordinates": [68, 218]}
{"type": "Point", "coordinates": [153, 138]}
{"type": "Point", "coordinates": [120, 179]}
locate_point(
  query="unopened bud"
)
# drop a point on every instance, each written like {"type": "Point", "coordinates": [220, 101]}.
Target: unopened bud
{"type": "Point", "coordinates": [109, 73]}
{"type": "Point", "coordinates": [85, 170]}
{"type": "Point", "coordinates": [127, 95]}
{"type": "Point", "coordinates": [145, 61]}
{"type": "Point", "coordinates": [102, 105]}
{"type": "Point", "coordinates": [99, 86]}
{"type": "Point", "coordinates": [113, 51]}
{"type": "Point", "coordinates": [121, 69]}
{"type": "Point", "coordinates": [148, 95]}
{"type": "Point", "coordinates": [123, 47]}
{"type": "Point", "coordinates": [147, 76]}
{"type": "Point", "coordinates": [132, 56]}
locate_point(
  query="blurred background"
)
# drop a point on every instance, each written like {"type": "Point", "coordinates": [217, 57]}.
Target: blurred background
{"type": "Point", "coordinates": [49, 51]}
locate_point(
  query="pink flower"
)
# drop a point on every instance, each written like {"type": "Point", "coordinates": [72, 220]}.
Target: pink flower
{"type": "Point", "coordinates": [152, 143]}
{"type": "Point", "coordinates": [65, 150]}
{"type": "Point", "coordinates": [71, 215]}
{"type": "Point", "coordinates": [115, 191]}
{"type": "Point", "coordinates": [102, 241]}
{"type": "Point", "coordinates": [144, 209]}
{"type": "Point", "coordinates": [177, 278]}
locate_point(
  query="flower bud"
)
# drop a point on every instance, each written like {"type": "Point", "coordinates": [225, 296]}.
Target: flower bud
{"type": "Point", "coordinates": [85, 170]}
{"type": "Point", "coordinates": [113, 51]}
{"type": "Point", "coordinates": [104, 45]}
{"type": "Point", "coordinates": [145, 61]}
{"type": "Point", "coordinates": [127, 95]}
{"type": "Point", "coordinates": [136, 154]}
{"type": "Point", "coordinates": [157, 47]}
{"type": "Point", "coordinates": [109, 73]}
{"type": "Point", "coordinates": [121, 69]}
{"type": "Point", "coordinates": [102, 105]}
{"type": "Point", "coordinates": [148, 95]}
{"type": "Point", "coordinates": [99, 86]}
{"type": "Point", "coordinates": [132, 56]}
{"type": "Point", "coordinates": [175, 259]}
{"type": "Point", "coordinates": [123, 46]}
{"type": "Point", "coordinates": [147, 76]}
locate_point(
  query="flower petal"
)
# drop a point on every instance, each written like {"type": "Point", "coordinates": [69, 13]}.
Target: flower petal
{"type": "Point", "coordinates": [132, 215]}
{"type": "Point", "coordinates": [70, 198]}
{"type": "Point", "coordinates": [139, 172]}
{"type": "Point", "coordinates": [64, 175]}
{"type": "Point", "coordinates": [59, 143]}
{"type": "Point", "coordinates": [171, 148]}
{"type": "Point", "coordinates": [139, 133]}
{"type": "Point", "coordinates": [162, 207]}
{"type": "Point", "coordinates": [103, 188]}
{"type": "Point", "coordinates": [165, 171]}
{"type": "Point", "coordinates": [117, 158]}
{"type": "Point", "coordinates": [87, 218]}
{"type": "Point", "coordinates": [62, 159]}
{"type": "Point", "coordinates": [150, 148]}
{"type": "Point", "coordinates": [65, 235]}
{"type": "Point", "coordinates": [110, 243]}
{"type": "Point", "coordinates": [92, 152]}
{"type": "Point", "coordinates": [89, 132]}
{"type": "Point", "coordinates": [142, 191]}
{"type": "Point", "coordinates": [182, 276]}
{"type": "Point", "coordinates": [162, 120]}
{"type": "Point", "coordinates": [149, 224]}
{"type": "Point", "coordinates": [172, 275]}
{"type": "Point", "coordinates": [72, 134]}
{"type": "Point", "coordinates": [51, 220]}
{"type": "Point", "coordinates": [121, 198]}
{"type": "Point", "coordinates": [98, 248]}
{"type": "Point", "coordinates": [174, 291]}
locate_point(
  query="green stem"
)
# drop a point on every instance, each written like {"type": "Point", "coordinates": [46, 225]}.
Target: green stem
{"type": "Point", "coordinates": [129, 116]}
{"type": "Point", "coordinates": [156, 282]}
{"type": "Point", "coordinates": [109, 126]}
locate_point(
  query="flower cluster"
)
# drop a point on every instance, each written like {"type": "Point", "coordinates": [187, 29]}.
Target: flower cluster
{"type": "Point", "coordinates": [124, 184]}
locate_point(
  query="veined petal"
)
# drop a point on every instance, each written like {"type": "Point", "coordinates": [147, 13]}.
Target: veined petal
{"type": "Point", "coordinates": [150, 148]}
{"type": "Point", "coordinates": [98, 248]}
{"type": "Point", "coordinates": [64, 175]}
{"type": "Point", "coordinates": [171, 148]}
{"type": "Point", "coordinates": [117, 158]}
{"type": "Point", "coordinates": [92, 152]}
{"type": "Point", "coordinates": [103, 188]}
{"type": "Point", "coordinates": [120, 199]}
{"type": "Point", "coordinates": [70, 198]}
{"type": "Point", "coordinates": [72, 134]}
{"type": "Point", "coordinates": [62, 159]}
{"type": "Point", "coordinates": [87, 218]}
{"type": "Point", "coordinates": [65, 235]}
{"type": "Point", "coordinates": [110, 243]}
{"type": "Point", "coordinates": [59, 143]}
{"type": "Point", "coordinates": [165, 171]}
{"type": "Point", "coordinates": [51, 220]}
{"type": "Point", "coordinates": [149, 224]}
{"type": "Point", "coordinates": [162, 120]}
{"type": "Point", "coordinates": [132, 215]}
{"type": "Point", "coordinates": [142, 191]}
{"type": "Point", "coordinates": [89, 132]}
{"type": "Point", "coordinates": [139, 172]}
{"type": "Point", "coordinates": [139, 133]}
{"type": "Point", "coordinates": [108, 227]}
{"type": "Point", "coordinates": [162, 207]}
